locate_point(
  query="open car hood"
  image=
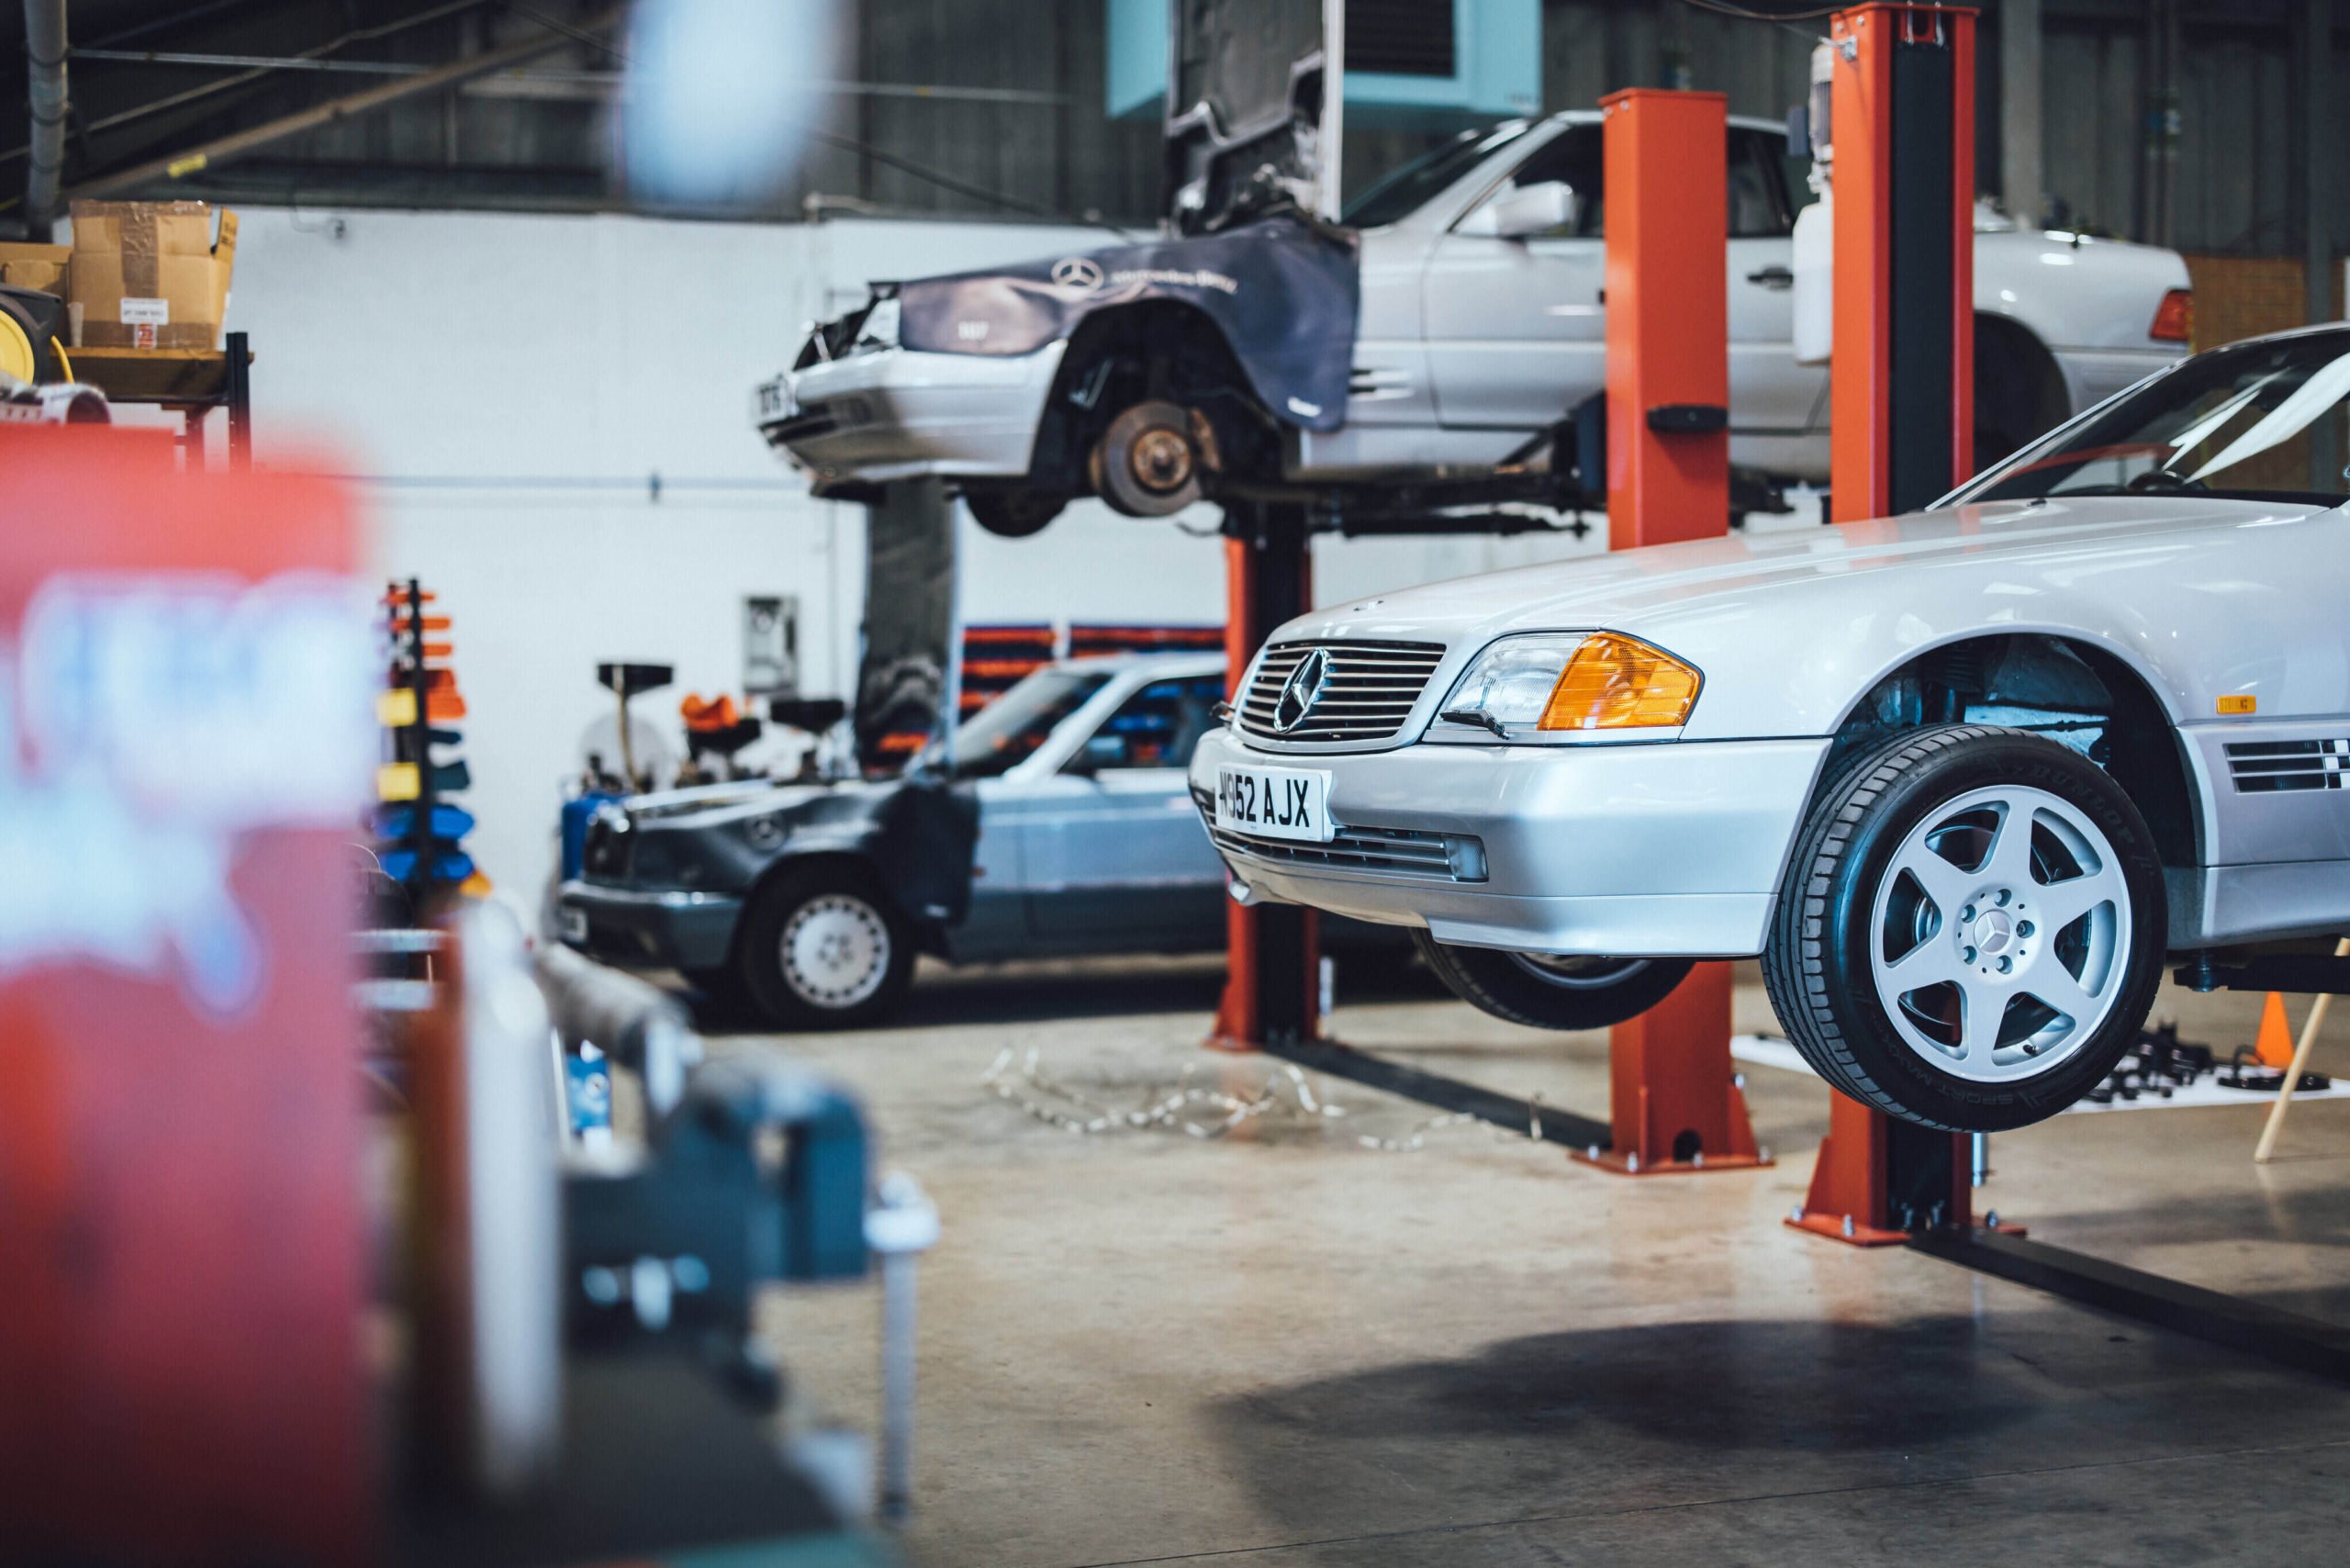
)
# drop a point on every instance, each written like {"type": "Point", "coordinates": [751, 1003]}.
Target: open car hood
{"type": "Point", "coordinates": [1244, 109]}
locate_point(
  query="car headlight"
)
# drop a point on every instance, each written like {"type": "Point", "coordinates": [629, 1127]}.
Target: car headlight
{"type": "Point", "coordinates": [1563, 684]}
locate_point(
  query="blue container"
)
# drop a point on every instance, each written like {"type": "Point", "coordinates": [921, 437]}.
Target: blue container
{"type": "Point", "coordinates": [574, 834]}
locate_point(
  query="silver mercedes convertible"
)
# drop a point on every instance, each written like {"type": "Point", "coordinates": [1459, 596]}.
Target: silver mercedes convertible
{"type": "Point", "coordinates": [1964, 779]}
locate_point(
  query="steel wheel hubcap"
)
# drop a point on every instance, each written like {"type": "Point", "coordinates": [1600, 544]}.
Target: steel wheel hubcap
{"type": "Point", "coordinates": [836, 950]}
{"type": "Point", "coordinates": [2000, 935]}
{"type": "Point", "coordinates": [1579, 973]}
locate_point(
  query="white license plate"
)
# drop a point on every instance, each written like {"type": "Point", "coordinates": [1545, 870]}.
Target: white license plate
{"type": "Point", "coordinates": [1275, 802]}
{"type": "Point", "coordinates": [572, 925]}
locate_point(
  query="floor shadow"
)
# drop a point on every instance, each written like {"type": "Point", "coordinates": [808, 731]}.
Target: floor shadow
{"type": "Point", "coordinates": [2309, 1218]}
{"type": "Point", "coordinates": [1648, 1408]}
{"type": "Point", "coordinates": [1775, 1384]}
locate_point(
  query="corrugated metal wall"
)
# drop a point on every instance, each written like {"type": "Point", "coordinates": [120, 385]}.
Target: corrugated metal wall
{"type": "Point", "coordinates": [1045, 147]}
{"type": "Point", "coordinates": [2238, 154]}
{"type": "Point", "coordinates": [1063, 157]}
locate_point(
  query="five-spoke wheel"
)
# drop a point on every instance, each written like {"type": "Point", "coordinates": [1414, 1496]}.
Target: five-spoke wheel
{"type": "Point", "coordinates": [1971, 929]}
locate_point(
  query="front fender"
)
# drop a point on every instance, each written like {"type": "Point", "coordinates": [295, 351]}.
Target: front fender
{"type": "Point", "coordinates": [917, 837]}
{"type": "Point", "coordinates": [1766, 680]}
{"type": "Point", "coordinates": [1283, 292]}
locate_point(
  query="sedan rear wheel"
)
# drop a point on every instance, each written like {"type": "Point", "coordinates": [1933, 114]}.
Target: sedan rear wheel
{"type": "Point", "coordinates": [1971, 930]}
{"type": "Point", "coordinates": [1552, 992]}
{"type": "Point", "coordinates": [824, 949]}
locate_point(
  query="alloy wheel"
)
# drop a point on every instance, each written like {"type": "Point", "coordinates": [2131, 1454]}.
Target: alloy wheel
{"type": "Point", "coordinates": [1999, 938]}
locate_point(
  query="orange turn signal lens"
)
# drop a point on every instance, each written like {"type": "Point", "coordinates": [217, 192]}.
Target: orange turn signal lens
{"type": "Point", "coordinates": [1616, 683]}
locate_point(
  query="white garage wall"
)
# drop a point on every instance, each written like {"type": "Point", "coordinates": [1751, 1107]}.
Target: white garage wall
{"type": "Point", "coordinates": [507, 385]}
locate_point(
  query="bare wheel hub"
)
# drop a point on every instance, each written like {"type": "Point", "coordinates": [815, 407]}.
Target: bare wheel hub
{"type": "Point", "coordinates": [1161, 460]}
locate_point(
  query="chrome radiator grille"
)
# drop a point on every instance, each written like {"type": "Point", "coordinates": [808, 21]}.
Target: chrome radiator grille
{"type": "Point", "coordinates": [1366, 695]}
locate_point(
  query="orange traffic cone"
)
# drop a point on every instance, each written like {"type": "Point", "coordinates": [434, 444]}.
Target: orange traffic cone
{"type": "Point", "coordinates": [2275, 1046]}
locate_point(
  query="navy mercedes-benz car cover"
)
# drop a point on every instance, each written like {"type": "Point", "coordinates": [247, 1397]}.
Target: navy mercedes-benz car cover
{"type": "Point", "coordinates": [1282, 291]}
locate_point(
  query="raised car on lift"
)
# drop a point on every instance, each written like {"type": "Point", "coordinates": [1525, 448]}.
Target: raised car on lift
{"type": "Point", "coordinates": [1234, 364]}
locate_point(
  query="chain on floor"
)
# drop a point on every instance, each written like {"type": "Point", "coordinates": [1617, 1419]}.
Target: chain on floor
{"type": "Point", "coordinates": [1285, 1095]}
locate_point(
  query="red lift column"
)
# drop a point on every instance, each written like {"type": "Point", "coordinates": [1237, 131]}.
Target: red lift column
{"type": "Point", "coordinates": [1675, 1101]}
{"type": "Point", "coordinates": [1272, 987]}
{"type": "Point", "coordinates": [1901, 410]}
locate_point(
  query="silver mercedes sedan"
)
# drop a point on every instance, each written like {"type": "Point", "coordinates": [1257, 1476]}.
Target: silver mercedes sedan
{"type": "Point", "coordinates": [1964, 779]}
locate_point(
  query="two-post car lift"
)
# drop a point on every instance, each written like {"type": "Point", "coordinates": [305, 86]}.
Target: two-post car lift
{"type": "Point", "coordinates": [1676, 1103]}
{"type": "Point", "coordinates": [1902, 109]}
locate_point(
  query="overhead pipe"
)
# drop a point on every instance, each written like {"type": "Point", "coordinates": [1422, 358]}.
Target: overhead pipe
{"type": "Point", "coordinates": [45, 51]}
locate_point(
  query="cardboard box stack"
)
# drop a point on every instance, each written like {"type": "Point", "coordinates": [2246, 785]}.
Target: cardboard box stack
{"type": "Point", "coordinates": [35, 266]}
{"type": "Point", "coordinates": [148, 275]}
{"type": "Point", "coordinates": [139, 274]}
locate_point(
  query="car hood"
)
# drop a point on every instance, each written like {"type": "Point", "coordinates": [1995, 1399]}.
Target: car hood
{"type": "Point", "coordinates": [710, 805]}
{"type": "Point", "coordinates": [1788, 627]}
{"type": "Point", "coordinates": [1671, 584]}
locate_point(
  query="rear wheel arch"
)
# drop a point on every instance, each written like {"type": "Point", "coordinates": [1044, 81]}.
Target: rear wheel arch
{"type": "Point", "coordinates": [2021, 393]}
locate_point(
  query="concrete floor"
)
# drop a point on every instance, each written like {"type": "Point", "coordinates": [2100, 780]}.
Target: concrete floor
{"type": "Point", "coordinates": [1289, 1348]}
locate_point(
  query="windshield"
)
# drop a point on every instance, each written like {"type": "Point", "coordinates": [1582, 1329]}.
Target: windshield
{"type": "Point", "coordinates": [1007, 730]}
{"type": "Point", "coordinates": [2255, 421]}
{"type": "Point", "coordinates": [1401, 192]}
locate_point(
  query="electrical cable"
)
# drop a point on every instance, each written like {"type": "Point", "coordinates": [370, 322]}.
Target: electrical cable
{"type": "Point", "coordinates": [960, 187]}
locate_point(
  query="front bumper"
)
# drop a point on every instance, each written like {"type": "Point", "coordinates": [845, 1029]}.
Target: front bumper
{"type": "Point", "coordinates": [894, 414]}
{"type": "Point", "coordinates": [1667, 849]}
{"type": "Point", "coordinates": [667, 930]}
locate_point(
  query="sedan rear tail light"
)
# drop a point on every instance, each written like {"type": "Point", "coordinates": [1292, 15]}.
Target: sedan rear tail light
{"type": "Point", "coordinates": [2174, 318]}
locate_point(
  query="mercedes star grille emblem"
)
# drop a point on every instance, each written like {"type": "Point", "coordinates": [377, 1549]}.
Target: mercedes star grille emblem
{"type": "Point", "coordinates": [1301, 690]}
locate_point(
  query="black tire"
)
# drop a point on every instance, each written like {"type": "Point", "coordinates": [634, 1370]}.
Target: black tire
{"type": "Point", "coordinates": [1148, 462]}
{"type": "Point", "coordinates": [31, 338]}
{"type": "Point", "coordinates": [1012, 514]}
{"type": "Point", "coordinates": [1550, 993]}
{"type": "Point", "coordinates": [1845, 892]}
{"type": "Point", "coordinates": [724, 1001]}
{"type": "Point", "coordinates": [810, 990]}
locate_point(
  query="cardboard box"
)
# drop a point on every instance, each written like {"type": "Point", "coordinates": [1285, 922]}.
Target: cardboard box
{"type": "Point", "coordinates": [150, 274]}
{"type": "Point", "coordinates": [35, 266]}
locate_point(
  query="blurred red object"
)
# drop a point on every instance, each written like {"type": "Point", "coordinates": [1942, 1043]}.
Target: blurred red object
{"type": "Point", "coordinates": [180, 1330]}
